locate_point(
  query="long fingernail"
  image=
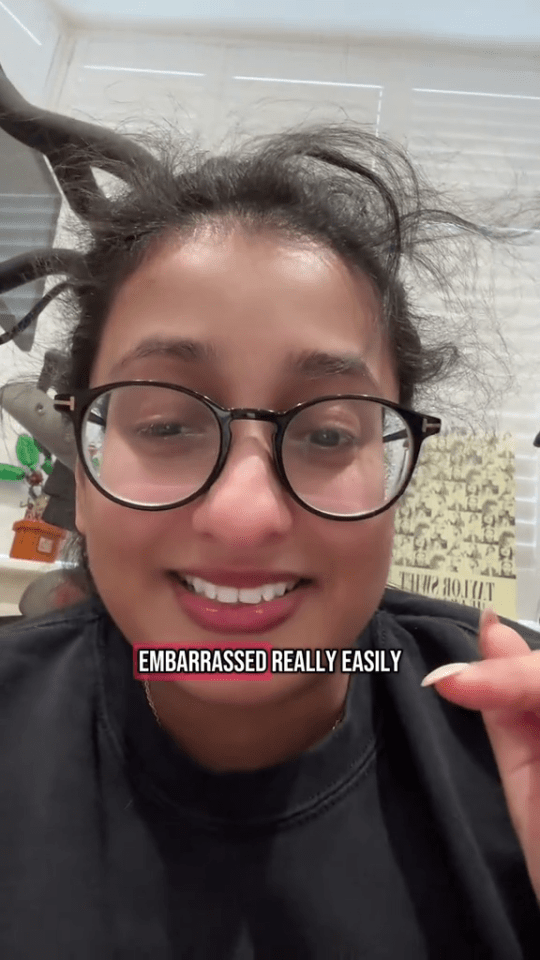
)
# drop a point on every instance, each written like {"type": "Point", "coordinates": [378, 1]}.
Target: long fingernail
{"type": "Point", "coordinates": [448, 670]}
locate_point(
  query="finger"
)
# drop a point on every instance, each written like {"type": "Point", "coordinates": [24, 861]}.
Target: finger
{"type": "Point", "coordinates": [497, 640]}
{"type": "Point", "coordinates": [506, 683]}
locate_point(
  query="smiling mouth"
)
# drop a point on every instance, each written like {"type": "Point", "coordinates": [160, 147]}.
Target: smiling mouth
{"type": "Point", "coordinates": [190, 588]}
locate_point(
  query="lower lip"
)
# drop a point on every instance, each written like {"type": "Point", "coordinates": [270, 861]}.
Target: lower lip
{"type": "Point", "coordinates": [244, 618]}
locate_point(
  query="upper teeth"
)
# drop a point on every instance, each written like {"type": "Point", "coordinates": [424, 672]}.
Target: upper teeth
{"type": "Point", "coordinates": [231, 595]}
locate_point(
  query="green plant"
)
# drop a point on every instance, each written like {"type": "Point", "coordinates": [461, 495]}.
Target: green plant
{"type": "Point", "coordinates": [28, 452]}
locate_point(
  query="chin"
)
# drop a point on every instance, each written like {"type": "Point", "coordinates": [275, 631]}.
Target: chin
{"type": "Point", "coordinates": [241, 692]}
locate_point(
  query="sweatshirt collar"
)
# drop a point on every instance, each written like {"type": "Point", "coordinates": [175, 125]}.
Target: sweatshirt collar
{"type": "Point", "coordinates": [170, 778]}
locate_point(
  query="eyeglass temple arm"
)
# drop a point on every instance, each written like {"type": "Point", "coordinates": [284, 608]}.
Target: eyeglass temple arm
{"type": "Point", "coordinates": [395, 436]}
{"type": "Point", "coordinates": [430, 426]}
{"type": "Point", "coordinates": [93, 418]}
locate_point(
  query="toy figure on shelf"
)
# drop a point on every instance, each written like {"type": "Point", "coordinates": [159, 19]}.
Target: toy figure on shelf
{"type": "Point", "coordinates": [28, 453]}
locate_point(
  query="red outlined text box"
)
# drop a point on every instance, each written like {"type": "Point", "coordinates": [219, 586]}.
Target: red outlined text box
{"type": "Point", "coordinates": [261, 655]}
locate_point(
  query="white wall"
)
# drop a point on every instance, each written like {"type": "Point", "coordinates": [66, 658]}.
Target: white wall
{"type": "Point", "coordinates": [30, 36]}
{"type": "Point", "coordinates": [474, 19]}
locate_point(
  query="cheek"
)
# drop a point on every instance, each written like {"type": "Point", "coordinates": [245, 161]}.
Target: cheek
{"type": "Point", "coordinates": [118, 534]}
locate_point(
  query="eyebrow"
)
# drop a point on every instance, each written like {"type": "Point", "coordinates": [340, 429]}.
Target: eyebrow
{"type": "Point", "coordinates": [307, 364]}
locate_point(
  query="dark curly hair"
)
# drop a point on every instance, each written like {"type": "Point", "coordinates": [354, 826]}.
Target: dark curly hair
{"type": "Point", "coordinates": [337, 185]}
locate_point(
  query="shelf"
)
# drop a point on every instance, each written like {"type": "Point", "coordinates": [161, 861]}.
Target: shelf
{"type": "Point", "coordinates": [10, 563]}
{"type": "Point", "coordinates": [10, 610]}
{"type": "Point", "coordinates": [17, 575]}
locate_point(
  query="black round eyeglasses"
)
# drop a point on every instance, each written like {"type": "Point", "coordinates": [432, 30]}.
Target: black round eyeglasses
{"type": "Point", "coordinates": [157, 446]}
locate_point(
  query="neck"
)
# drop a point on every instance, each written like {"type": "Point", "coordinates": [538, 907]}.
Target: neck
{"type": "Point", "coordinates": [226, 737]}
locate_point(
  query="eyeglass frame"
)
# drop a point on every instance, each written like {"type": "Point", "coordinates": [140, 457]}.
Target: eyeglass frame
{"type": "Point", "coordinates": [420, 425]}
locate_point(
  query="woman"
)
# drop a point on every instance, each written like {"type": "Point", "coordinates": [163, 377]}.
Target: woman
{"type": "Point", "coordinates": [309, 815]}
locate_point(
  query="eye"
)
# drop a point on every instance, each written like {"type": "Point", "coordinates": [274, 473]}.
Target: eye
{"type": "Point", "coordinates": [162, 429]}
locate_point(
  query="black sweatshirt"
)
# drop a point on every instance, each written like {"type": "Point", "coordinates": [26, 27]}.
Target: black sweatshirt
{"type": "Point", "coordinates": [388, 840]}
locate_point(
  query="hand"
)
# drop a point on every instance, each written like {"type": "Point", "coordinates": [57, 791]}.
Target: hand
{"type": "Point", "coordinates": [505, 687]}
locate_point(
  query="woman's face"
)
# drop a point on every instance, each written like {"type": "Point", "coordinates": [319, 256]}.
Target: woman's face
{"type": "Point", "coordinates": [257, 303]}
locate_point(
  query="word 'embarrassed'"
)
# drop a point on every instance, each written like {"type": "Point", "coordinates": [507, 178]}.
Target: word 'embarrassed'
{"type": "Point", "coordinates": [257, 662]}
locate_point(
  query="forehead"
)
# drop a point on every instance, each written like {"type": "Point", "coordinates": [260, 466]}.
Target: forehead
{"type": "Point", "coordinates": [257, 296]}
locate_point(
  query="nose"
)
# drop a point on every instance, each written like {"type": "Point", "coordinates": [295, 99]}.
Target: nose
{"type": "Point", "coordinates": [247, 503]}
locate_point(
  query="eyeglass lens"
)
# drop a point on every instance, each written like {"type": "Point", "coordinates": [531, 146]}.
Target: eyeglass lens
{"type": "Point", "coordinates": [152, 446]}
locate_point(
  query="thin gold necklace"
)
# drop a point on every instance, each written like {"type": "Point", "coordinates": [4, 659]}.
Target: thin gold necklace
{"type": "Point", "coordinates": [152, 706]}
